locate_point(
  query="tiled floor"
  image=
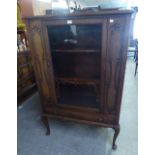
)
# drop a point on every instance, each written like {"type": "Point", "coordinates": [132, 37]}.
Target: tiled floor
{"type": "Point", "coordinates": [76, 139]}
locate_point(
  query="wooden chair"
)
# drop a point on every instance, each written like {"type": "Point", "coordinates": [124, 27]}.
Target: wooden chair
{"type": "Point", "coordinates": [22, 38]}
{"type": "Point", "coordinates": [26, 84]}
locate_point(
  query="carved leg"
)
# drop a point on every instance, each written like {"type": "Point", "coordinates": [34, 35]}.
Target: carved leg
{"type": "Point", "coordinates": [117, 129]}
{"type": "Point", "coordinates": [45, 121]}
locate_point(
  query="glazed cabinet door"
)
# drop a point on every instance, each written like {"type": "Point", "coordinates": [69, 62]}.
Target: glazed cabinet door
{"type": "Point", "coordinates": [76, 52]}
{"type": "Point", "coordinates": [117, 43]}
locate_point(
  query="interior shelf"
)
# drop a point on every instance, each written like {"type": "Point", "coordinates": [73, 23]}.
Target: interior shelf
{"type": "Point", "coordinates": [77, 80]}
{"type": "Point", "coordinates": [75, 50]}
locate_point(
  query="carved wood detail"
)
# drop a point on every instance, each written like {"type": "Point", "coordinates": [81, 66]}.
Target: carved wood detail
{"type": "Point", "coordinates": [36, 28]}
{"type": "Point", "coordinates": [114, 64]}
{"type": "Point", "coordinates": [40, 63]}
{"type": "Point", "coordinates": [77, 82]}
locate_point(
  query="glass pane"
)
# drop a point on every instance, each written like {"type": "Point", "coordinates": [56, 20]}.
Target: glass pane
{"type": "Point", "coordinates": [75, 37]}
{"type": "Point", "coordinates": [76, 54]}
{"type": "Point", "coordinates": [76, 50]}
{"type": "Point", "coordinates": [81, 95]}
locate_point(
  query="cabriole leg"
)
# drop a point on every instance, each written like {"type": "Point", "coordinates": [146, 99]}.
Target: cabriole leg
{"type": "Point", "coordinates": [117, 130]}
{"type": "Point", "coordinates": [45, 121]}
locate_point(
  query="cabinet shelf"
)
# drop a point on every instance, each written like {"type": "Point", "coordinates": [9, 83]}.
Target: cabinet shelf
{"type": "Point", "coordinates": [77, 80]}
{"type": "Point", "coordinates": [75, 50]}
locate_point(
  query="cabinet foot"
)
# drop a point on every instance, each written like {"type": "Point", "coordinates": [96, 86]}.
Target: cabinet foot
{"type": "Point", "coordinates": [117, 130]}
{"type": "Point", "coordinates": [45, 121]}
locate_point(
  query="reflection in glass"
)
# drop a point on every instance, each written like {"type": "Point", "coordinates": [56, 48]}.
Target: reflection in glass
{"type": "Point", "coordinates": [75, 36]}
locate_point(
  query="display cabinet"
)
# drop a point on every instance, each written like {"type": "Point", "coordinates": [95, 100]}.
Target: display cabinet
{"type": "Point", "coordinates": [79, 61]}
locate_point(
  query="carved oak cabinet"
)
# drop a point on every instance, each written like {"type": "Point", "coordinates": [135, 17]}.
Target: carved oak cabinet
{"type": "Point", "coordinates": [79, 61]}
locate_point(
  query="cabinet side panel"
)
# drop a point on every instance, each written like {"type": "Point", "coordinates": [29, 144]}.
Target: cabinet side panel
{"type": "Point", "coordinates": [47, 94]}
{"type": "Point", "coordinates": [118, 33]}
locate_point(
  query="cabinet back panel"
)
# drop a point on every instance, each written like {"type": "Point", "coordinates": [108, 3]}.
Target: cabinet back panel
{"type": "Point", "coordinates": [82, 96]}
{"type": "Point", "coordinates": [80, 65]}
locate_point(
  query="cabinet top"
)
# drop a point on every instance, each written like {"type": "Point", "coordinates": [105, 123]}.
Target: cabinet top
{"type": "Point", "coordinates": [85, 13]}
